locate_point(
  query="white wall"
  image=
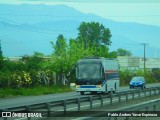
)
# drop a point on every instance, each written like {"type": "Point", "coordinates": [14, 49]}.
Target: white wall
{"type": "Point", "coordinates": [138, 62]}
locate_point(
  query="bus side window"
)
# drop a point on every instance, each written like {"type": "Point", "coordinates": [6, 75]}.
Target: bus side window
{"type": "Point", "coordinates": [111, 76]}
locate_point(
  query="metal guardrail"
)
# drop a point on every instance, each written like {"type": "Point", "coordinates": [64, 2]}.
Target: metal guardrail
{"type": "Point", "coordinates": [141, 108]}
{"type": "Point", "coordinates": [47, 106]}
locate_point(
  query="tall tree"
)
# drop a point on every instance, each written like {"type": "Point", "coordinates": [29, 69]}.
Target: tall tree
{"type": "Point", "coordinates": [1, 56]}
{"type": "Point", "coordinates": [93, 34]}
{"type": "Point", "coordinates": [60, 47]}
{"type": "Point", "coordinates": [59, 57]}
{"type": "Point", "coordinates": [123, 52]}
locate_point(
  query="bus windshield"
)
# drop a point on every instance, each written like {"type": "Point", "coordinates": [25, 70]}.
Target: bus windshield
{"type": "Point", "coordinates": [89, 71]}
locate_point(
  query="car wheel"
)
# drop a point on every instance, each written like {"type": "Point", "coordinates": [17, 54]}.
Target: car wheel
{"type": "Point", "coordinates": [142, 87]}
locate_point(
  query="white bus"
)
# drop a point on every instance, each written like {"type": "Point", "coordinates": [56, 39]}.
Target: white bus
{"type": "Point", "coordinates": [97, 75]}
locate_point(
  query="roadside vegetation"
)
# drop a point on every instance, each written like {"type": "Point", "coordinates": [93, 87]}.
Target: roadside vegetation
{"type": "Point", "coordinates": [150, 76]}
{"type": "Point", "coordinates": [32, 91]}
{"type": "Point", "coordinates": [39, 74]}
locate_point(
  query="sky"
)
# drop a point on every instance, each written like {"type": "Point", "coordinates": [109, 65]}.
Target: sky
{"type": "Point", "coordinates": [139, 11]}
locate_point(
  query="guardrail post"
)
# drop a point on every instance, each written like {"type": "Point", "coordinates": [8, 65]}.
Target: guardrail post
{"type": "Point", "coordinates": [119, 97]}
{"type": "Point", "coordinates": [28, 109]}
{"type": "Point", "coordinates": [109, 118]}
{"type": "Point", "coordinates": [111, 96]}
{"type": "Point", "coordinates": [155, 91]}
{"type": "Point", "coordinates": [65, 107]}
{"type": "Point", "coordinates": [127, 118]}
{"type": "Point", "coordinates": [144, 92]}
{"type": "Point", "coordinates": [150, 91]}
{"type": "Point", "coordinates": [139, 93]}
{"type": "Point", "coordinates": [115, 118]}
{"type": "Point", "coordinates": [48, 109]}
{"type": "Point", "coordinates": [5, 118]}
{"type": "Point", "coordinates": [146, 108]}
{"type": "Point", "coordinates": [154, 107]}
{"type": "Point", "coordinates": [126, 96]}
{"type": "Point", "coordinates": [90, 99]}
{"type": "Point", "coordinates": [101, 98]}
{"type": "Point", "coordinates": [78, 101]}
{"type": "Point", "coordinates": [133, 95]}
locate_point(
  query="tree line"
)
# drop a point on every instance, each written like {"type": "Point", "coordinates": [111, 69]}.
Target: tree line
{"type": "Point", "coordinates": [93, 39]}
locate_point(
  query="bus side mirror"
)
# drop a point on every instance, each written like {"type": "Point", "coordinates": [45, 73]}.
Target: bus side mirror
{"type": "Point", "coordinates": [103, 72]}
{"type": "Point", "coordinates": [102, 69]}
{"type": "Point", "coordinates": [73, 68]}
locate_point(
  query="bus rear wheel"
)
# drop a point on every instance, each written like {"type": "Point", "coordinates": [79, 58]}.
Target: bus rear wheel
{"type": "Point", "coordinates": [82, 93]}
{"type": "Point", "coordinates": [94, 92]}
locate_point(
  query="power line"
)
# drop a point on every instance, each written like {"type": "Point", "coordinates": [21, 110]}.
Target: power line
{"type": "Point", "coordinates": [90, 15]}
{"type": "Point", "coordinates": [32, 28]}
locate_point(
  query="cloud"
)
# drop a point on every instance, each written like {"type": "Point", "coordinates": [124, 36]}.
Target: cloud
{"type": "Point", "coordinates": [74, 1]}
{"type": "Point", "coordinates": [89, 1]}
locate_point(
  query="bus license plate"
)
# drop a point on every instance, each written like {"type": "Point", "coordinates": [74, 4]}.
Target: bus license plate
{"type": "Point", "coordinates": [88, 90]}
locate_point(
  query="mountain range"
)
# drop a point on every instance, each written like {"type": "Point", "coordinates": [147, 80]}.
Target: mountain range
{"type": "Point", "coordinates": [25, 28]}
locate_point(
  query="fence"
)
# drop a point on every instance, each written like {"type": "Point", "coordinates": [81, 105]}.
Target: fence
{"type": "Point", "coordinates": [47, 107]}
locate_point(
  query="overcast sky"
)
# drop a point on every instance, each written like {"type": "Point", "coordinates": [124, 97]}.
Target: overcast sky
{"type": "Point", "coordinates": [140, 11]}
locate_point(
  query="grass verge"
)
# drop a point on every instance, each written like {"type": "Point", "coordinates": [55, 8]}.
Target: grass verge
{"type": "Point", "coordinates": [39, 90]}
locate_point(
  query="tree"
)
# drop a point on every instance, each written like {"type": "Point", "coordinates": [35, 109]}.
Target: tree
{"type": "Point", "coordinates": [60, 47]}
{"type": "Point", "coordinates": [93, 34]}
{"type": "Point", "coordinates": [38, 54]}
{"type": "Point", "coordinates": [112, 54]}
{"type": "Point", "coordinates": [123, 52]}
{"type": "Point", "coordinates": [77, 51]}
{"type": "Point", "coordinates": [59, 57]}
{"type": "Point", "coordinates": [1, 57]}
{"type": "Point", "coordinates": [33, 62]}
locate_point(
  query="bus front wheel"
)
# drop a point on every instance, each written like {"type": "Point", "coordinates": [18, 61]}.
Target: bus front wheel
{"type": "Point", "coordinates": [94, 92]}
{"type": "Point", "coordinates": [82, 93]}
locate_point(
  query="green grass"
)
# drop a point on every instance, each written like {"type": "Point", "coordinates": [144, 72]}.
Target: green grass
{"type": "Point", "coordinates": [39, 90]}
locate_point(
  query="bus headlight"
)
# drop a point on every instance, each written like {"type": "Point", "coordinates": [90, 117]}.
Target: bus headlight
{"type": "Point", "coordinates": [98, 86]}
{"type": "Point", "coordinates": [77, 86]}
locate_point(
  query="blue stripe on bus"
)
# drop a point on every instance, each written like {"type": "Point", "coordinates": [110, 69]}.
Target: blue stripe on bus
{"type": "Point", "coordinates": [88, 87]}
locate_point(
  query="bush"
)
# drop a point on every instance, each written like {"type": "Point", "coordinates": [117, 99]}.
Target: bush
{"type": "Point", "coordinates": [5, 79]}
{"type": "Point", "coordinates": [126, 76]}
{"type": "Point", "coordinates": [39, 90]}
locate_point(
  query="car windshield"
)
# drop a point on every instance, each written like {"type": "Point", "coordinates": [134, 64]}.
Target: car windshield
{"type": "Point", "coordinates": [137, 79]}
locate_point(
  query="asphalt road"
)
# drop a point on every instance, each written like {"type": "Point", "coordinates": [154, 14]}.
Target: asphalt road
{"type": "Point", "coordinates": [116, 106]}
{"type": "Point", "coordinates": [12, 102]}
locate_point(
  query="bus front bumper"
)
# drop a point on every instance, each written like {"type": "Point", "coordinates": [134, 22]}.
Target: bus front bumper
{"type": "Point", "coordinates": [86, 88]}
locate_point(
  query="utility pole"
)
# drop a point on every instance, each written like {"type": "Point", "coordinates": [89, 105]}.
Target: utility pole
{"type": "Point", "coordinates": [144, 58]}
{"type": "Point", "coordinates": [155, 54]}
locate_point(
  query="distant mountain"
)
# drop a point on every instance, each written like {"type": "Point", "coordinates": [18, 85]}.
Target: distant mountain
{"type": "Point", "coordinates": [27, 28]}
